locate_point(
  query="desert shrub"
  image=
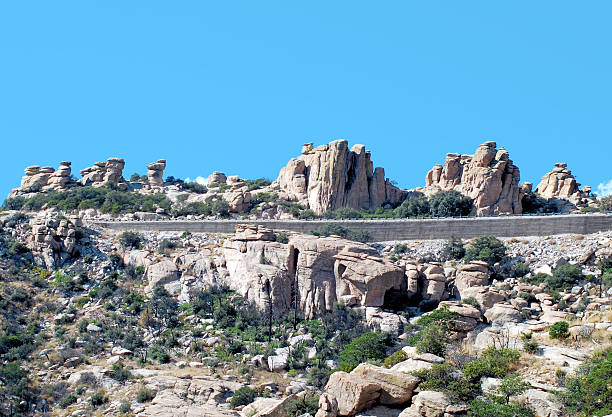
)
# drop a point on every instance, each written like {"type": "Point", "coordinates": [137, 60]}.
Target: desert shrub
{"type": "Point", "coordinates": [441, 316]}
{"type": "Point", "coordinates": [368, 346]}
{"type": "Point", "coordinates": [449, 204]}
{"type": "Point", "coordinates": [564, 276]}
{"type": "Point", "coordinates": [243, 396]}
{"type": "Point", "coordinates": [159, 353]}
{"type": "Point", "coordinates": [533, 203]}
{"type": "Point", "coordinates": [395, 358]}
{"type": "Point", "coordinates": [494, 363]}
{"type": "Point", "coordinates": [282, 237]}
{"type": "Point", "coordinates": [520, 269]}
{"type": "Point", "coordinates": [453, 249]}
{"type": "Point", "coordinates": [417, 206]}
{"type": "Point", "coordinates": [193, 187]}
{"type": "Point", "coordinates": [307, 214]}
{"type": "Point", "coordinates": [529, 345]}
{"type": "Point", "coordinates": [445, 378]}
{"type": "Point", "coordinates": [336, 229]}
{"type": "Point", "coordinates": [605, 203]}
{"type": "Point", "coordinates": [305, 404]}
{"type": "Point", "coordinates": [495, 407]}
{"type": "Point", "coordinates": [98, 398]}
{"type": "Point", "coordinates": [559, 330]}
{"type": "Point", "coordinates": [470, 301]}
{"type": "Point", "coordinates": [119, 372]}
{"type": "Point", "coordinates": [167, 245]}
{"type": "Point", "coordinates": [258, 183]}
{"type": "Point", "coordinates": [344, 213]}
{"type": "Point", "coordinates": [486, 248]}
{"type": "Point", "coordinates": [400, 248]}
{"type": "Point", "coordinates": [144, 395]}
{"type": "Point", "coordinates": [220, 208]}
{"type": "Point", "coordinates": [432, 340]}
{"type": "Point", "coordinates": [130, 240]}
{"type": "Point", "coordinates": [67, 400]}
{"type": "Point", "coordinates": [318, 375]}
{"type": "Point", "coordinates": [589, 392]}
{"type": "Point", "coordinates": [528, 296]}
{"type": "Point", "coordinates": [125, 407]}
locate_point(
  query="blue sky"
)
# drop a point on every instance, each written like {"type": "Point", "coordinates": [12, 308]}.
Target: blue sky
{"type": "Point", "coordinates": [240, 86]}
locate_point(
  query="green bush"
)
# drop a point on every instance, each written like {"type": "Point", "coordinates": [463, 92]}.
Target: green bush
{"type": "Point", "coordinates": [125, 407]}
{"type": "Point", "coordinates": [605, 203]}
{"type": "Point", "coordinates": [144, 395]}
{"type": "Point", "coordinates": [395, 358]}
{"type": "Point", "coordinates": [441, 316]}
{"type": "Point", "coordinates": [98, 398]}
{"type": "Point", "coordinates": [282, 237]}
{"type": "Point", "coordinates": [318, 375]}
{"type": "Point", "coordinates": [243, 396]}
{"type": "Point", "coordinates": [494, 363]}
{"type": "Point", "coordinates": [368, 346]}
{"type": "Point", "coordinates": [564, 277]}
{"type": "Point", "coordinates": [444, 378]}
{"type": "Point", "coordinates": [67, 400]}
{"type": "Point", "coordinates": [529, 345]}
{"type": "Point", "coordinates": [335, 229]}
{"type": "Point", "coordinates": [417, 206]}
{"type": "Point", "coordinates": [589, 392]}
{"type": "Point", "coordinates": [130, 240]}
{"type": "Point", "coordinates": [453, 250]}
{"type": "Point", "coordinates": [533, 203]}
{"type": "Point", "coordinates": [559, 330]}
{"type": "Point", "coordinates": [119, 373]}
{"type": "Point", "coordinates": [432, 340]}
{"type": "Point", "coordinates": [495, 407]}
{"type": "Point", "coordinates": [258, 183]}
{"type": "Point", "coordinates": [486, 248]}
{"type": "Point", "coordinates": [449, 204]}
{"type": "Point", "coordinates": [520, 269]}
{"type": "Point", "coordinates": [304, 404]}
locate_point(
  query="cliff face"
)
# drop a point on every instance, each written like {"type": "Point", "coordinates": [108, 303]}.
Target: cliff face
{"type": "Point", "coordinates": [333, 176]}
{"type": "Point", "coordinates": [488, 177]}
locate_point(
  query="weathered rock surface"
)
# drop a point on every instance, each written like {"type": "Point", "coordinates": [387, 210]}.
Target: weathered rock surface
{"type": "Point", "coordinates": [38, 179]}
{"type": "Point", "coordinates": [488, 177]}
{"type": "Point", "coordinates": [324, 270]}
{"type": "Point", "coordinates": [217, 178]}
{"type": "Point", "coordinates": [102, 173]}
{"type": "Point", "coordinates": [351, 392]}
{"type": "Point", "coordinates": [395, 387]}
{"type": "Point", "coordinates": [433, 403]}
{"type": "Point", "coordinates": [155, 173]}
{"type": "Point", "coordinates": [561, 184]}
{"type": "Point", "coordinates": [333, 176]}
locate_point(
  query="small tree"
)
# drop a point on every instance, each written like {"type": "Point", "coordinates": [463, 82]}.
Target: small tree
{"type": "Point", "coordinates": [449, 204]}
{"type": "Point", "coordinates": [511, 385]}
{"type": "Point", "coordinates": [453, 249]}
{"type": "Point", "coordinates": [417, 206]}
{"type": "Point", "coordinates": [486, 248]}
{"type": "Point", "coordinates": [368, 346]}
{"type": "Point", "coordinates": [559, 330]}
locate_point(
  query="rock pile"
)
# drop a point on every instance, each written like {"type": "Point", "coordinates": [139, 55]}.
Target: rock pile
{"type": "Point", "coordinates": [488, 177]}
{"type": "Point", "coordinates": [155, 173]}
{"type": "Point", "coordinates": [333, 176]}
{"type": "Point", "coordinates": [54, 241]}
{"type": "Point", "coordinates": [38, 179]}
{"type": "Point", "coordinates": [102, 173]}
{"type": "Point", "coordinates": [561, 184]}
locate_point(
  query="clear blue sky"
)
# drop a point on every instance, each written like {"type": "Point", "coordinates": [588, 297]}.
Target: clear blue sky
{"type": "Point", "coordinates": [240, 86]}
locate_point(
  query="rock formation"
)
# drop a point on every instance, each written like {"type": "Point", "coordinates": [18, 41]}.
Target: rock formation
{"type": "Point", "coordinates": [156, 172]}
{"type": "Point", "coordinates": [38, 179]}
{"type": "Point", "coordinates": [488, 177]}
{"type": "Point", "coordinates": [333, 176]}
{"type": "Point", "coordinates": [561, 184]}
{"type": "Point", "coordinates": [321, 270]}
{"type": "Point", "coordinates": [102, 173]}
{"type": "Point", "coordinates": [217, 178]}
{"type": "Point", "coordinates": [239, 196]}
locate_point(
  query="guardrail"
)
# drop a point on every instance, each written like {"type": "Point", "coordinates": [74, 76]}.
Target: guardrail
{"type": "Point", "coordinates": [397, 229]}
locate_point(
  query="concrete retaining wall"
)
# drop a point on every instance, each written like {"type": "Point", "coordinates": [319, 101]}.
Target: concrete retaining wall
{"type": "Point", "coordinates": [393, 229]}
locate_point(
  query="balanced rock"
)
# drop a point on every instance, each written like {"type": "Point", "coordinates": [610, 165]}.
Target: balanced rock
{"type": "Point", "coordinates": [488, 177]}
{"type": "Point", "coordinates": [217, 178]}
{"type": "Point", "coordinates": [333, 176]}
{"type": "Point", "coordinates": [102, 173]}
{"type": "Point", "coordinates": [155, 173]}
{"type": "Point", "coordinates": [560, 184]}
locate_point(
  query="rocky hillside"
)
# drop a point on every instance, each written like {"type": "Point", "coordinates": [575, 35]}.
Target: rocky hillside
{"type": "Point", "coordinates": [330, 181]}
{"type": "Point", "coordinates": [269, 323]}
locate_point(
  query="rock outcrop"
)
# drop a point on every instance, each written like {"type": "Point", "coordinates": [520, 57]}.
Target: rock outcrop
{"type": "Point", "coordinates": [102, 173]}
{"type": "Point", "coordinates": [488, 177]}
{"type": "Point", "coordinates": [55, 241]}
{"type": "Point", "coordinates": [321, 271]}
{"type": "Point", "coordinates": [561, 184]}
{"type": "Point", "coordinates": [333, 176]}
{"type": "Point", "coordinates": [217, 178]}
{"type": "Point", "coordinates": [155, 173]}
{"type": "Point", "coordinates": [38, 179]}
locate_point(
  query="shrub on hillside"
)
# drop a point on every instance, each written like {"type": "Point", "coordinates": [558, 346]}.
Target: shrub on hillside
{"type": "Point", "coordinates": [130, 240]}
{"type": "Point", "coordinates": [494, 363]}
{"type": "Point", "coordinates": [486, 248]}
{"type": "Point", "coordinates": [243, 396]}
{"type": "Point", "coordinates": [432, 340]}
{"type": "Point", "coordinates": [559, 330]}
{"type": "Point", "coordinates": [368, 346]}
{"type": "Point", "coordinates": [453, 249]}
{"type": "Point", "coordinates": [417, 206]}
{"type": "Point", "coordinates": [449, 204]}
{"type": "Point", "coordinates": [335, 229]}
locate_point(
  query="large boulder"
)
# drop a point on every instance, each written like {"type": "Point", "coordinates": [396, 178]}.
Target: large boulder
{"type": "Point", "coordinates": [333, 176]}
{"type": "Point", "coordinates": [488, 177]}
{"type": "Point", "coordinates": [155, 173]}
{"type": "Point", "coordinates": [473, 274]}
{"type": "Point", "coordinates": [396, 387]}
{"type": "Point", "coordinates": [102, 173]}
{"type": "Point", "coordinates": [161, 273]}
{"type": "Point", "coordinates": [352, 393]}
{"type": "Point", "coordinates": [433, 404]}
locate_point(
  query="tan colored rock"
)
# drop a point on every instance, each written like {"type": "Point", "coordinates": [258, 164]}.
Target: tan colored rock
{"type": "Point", "coordinates": [161, 273]}
{"type": "Point", "coordinates": [328, 406]}
{"type": "Point", "coordinates": [217, 178]}
{"type": "Point", "coordinates": [473, 274]}
{"type": "Point", "coordinates": [396, 387]}
{"type": "Point", "coordinates": [488, 177]}
{"type": "Point", "coordinates": [102, 173]}
{"type": "Point", "coordinates": [434, 284]}
{"type": "Point", "coordinates": [503, 313]}
{"type": "Point", "coordinates": [560, 184]}
{"type": "Point", "coordinates": [238, 198]}
{"type": "Point", "coordinates": [331, 176]}
{"type": "Point", "coordinates": [352, 393]}
{"type": "Point", "coordinates": [155, 173]}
